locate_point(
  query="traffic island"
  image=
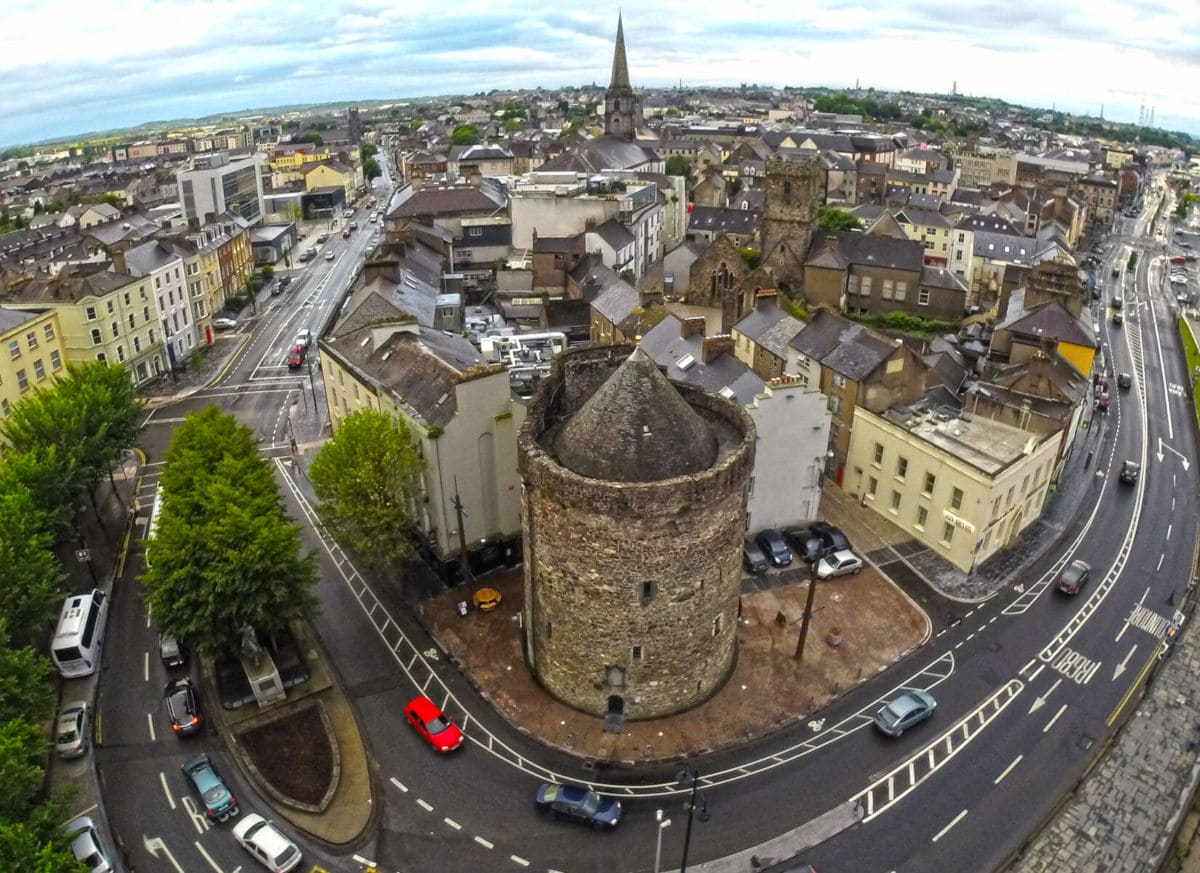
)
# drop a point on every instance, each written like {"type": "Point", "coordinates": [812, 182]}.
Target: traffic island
{"type": "Point", "coordinates": [768, 690]}
{"type": "Point", "coordinates": [295, 757]}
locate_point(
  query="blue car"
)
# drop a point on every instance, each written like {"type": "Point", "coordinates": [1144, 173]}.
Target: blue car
{"type": "Point", "coordinates": [579, 804]}
{"type": "Point", "coordinates": [219, 803]}
{"type": "Point", "coordinates": [772, 542]}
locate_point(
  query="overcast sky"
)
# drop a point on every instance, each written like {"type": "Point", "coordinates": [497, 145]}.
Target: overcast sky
{"type": "Point", "coordinates": [73, 66]}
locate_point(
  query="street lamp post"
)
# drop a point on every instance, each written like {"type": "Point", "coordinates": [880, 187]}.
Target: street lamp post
{"type": "Point", "coordinates": [693, 776]}
{"type": "Point", "coordinates": [663, 824]}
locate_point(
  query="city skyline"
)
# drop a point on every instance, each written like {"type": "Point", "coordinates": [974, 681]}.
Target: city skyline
{"type": "Point", "coordinates": [127, 63]}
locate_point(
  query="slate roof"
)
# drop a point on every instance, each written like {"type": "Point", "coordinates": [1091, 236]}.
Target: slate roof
{"type": "Point", "coordinates": [716, 220]}
{"type": "Point", "coordinates": [10, 318]}
{"type": "Point", "coordinates": [664, 343]}
{"type": "Point", "coordinates": [145, 259]}
{"type": "Point", "coordinates": [940, 277]}
{"type": "Point", "coordinates": [90, 280]}
{"type": "Point", "coordinates": [553, 244]}
{"type": "Point", "coordinates": [843, 346]}
{"type": "Point", "coordinates": [1050, 320]}
{"type": "Point", "coordinates": [867, 250]}
{"type": "Point", "coordinates": [770, 326]}
{"type": "Point", "coordinates": [456, 200]}
{"type": "Point", "coordinates": [420, 367]}
{"type": "Point", "coordinates": [384, 298]}
{"type": "Point", "coordinates": [822, 334]}
{"type": "Point", "coordinates": [636, 427]}
{"type": "Point", "coordinates": [612, 297]}
{"type": "Point", "coordinates": [615, 234]}
{"type": "Point", "coordinates": [602, 153]}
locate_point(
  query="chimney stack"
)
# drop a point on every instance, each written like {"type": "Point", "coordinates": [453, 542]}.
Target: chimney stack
{"type": "Point", "coordinates": [691, 327]}
{"type": "Point", "coordinates": [715, 346]}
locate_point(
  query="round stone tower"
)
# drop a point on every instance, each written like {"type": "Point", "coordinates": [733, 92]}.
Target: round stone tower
{"type": "Point", "coordinates": [634, 510]}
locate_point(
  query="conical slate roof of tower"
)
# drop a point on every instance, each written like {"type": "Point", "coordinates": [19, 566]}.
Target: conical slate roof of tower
{"type": "Point", "coordinates": [620, 70]}
{"type": "Point", "coordinates": [636, 428]}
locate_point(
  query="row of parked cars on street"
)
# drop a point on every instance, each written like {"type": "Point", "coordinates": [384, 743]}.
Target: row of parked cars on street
{"type": "Point", "coordinates": [819, 543]}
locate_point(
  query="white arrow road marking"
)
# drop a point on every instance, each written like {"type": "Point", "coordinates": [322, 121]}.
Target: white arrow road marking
{"type": "Point", "coordinates": [1039, 702]}
{"type": "Point", "coordinates": [1120, 668]}
{"type": "Point", "coordinates": [154, 845]}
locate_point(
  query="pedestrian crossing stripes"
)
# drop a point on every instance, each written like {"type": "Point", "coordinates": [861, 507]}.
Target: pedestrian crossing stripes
{"type": "Point", "coordinates": [1149, 621]}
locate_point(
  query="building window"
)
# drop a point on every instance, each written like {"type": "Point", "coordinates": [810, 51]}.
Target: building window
{"type": "Point", "coordinates": [4, 407]}
{"type": "Point", "coordinates": [101, 357]}
{"type": "Point", "coordinates": [137, 344]}
{"type": "Point", "coordinates": [923, 297]}
{"type": "Point", "coordinates": [930, 481]}
{"type": "Point", "coordinates": [901, 290]}
{"type": "Point", "coordinates": [1008, 499]}
{"type": "Point", "coordinates": [1025, 484]}
{"type": "Point", "coordinates": [852, 285]}
{"type": "Point", "coordinates": [126, 298]}
{"type": "Point", "coordinates": [121, 353]}
{"type": "Point", "coordinates": [866, 286]}
{"type": "Point", "coordinates": [110, 307]}
{"type": "Point", "coordinates": [922, 517]}
{"type": "Point", "coordinates": [116, 329]}
{"type": "Point", "coordinates": [878, 454]}
{"type": "Point", "coordinates": [22, 380]}
{"type": "Point", "coordinates": [956, 498]}
{"type": "Point", "coordinates": [636, 654]}
{"type": "Point", "coordinates": [55, 361]}
{"type": "Point", "coordinates": [895, 501]}
{"type": "Point", "coordinates": [49, 331]}
{"type": "Point", "coordinates": [39, 371]}
{"type": "Point", "coordinates": [14, 349]}
{"type": "Point", "coordinates": [648, 590]}
{"type": "Point", "coordinates": [31, 340]}
{"type": "Point", "coordinates": [872, 486]}
{"type": "Point", "coordinates": [886, 291]}
{"type": "Point", "coordinates": [96, 340]}
{"type": "Point", "coordinates": [901, 468]}
{"type": "Point", "coordinates": [90, 313]}
{"type": "Point", "coordinates": [996, 508]}
{"type": "Point", "coordinates": [947, 533]}
{"type": "Point", "coordinates": [132, 320]}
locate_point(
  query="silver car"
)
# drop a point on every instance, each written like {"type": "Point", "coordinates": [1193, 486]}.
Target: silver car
{"type": "Point", "coordinates": [839, 564]}
{"type": "Point", "coordinates": [903, 711]}
{"type": "Point", "coordinates": [263, 840]}
{"type": "Point", "coordinates": [71, 730]}
{"type": "Point", "coordinates": [85, 845]}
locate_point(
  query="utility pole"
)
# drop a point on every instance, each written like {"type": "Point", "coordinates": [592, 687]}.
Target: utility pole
{"type": "Point", "coordinates": [460, 514]}
{"type": "Point", "coordinates": [808, 605]}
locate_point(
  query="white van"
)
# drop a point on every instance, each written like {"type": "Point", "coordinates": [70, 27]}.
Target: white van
{"type": "Point", "coordinates": [79, 638]}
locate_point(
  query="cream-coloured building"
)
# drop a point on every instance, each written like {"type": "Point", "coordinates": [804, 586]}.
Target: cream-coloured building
{"type": "Point", "coordinates": [103, 316]}
{"type": "Point", "coordinates": [965, 487]}
{"type": "Point", "coordinates": [461, 411]}
{"type": "Point", "coordinates": [31, 354]}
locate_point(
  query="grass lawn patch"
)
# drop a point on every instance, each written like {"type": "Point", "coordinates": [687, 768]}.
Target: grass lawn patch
{"type": "Point", "coordinates": [293, 754]}
{"type": "Point", "coordinates": [1193, 361]}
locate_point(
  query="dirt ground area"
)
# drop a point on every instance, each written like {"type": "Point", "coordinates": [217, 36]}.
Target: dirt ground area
{"type": "Point", "coordinates": [768, 688]}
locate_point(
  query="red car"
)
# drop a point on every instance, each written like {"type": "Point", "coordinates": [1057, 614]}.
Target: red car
{"type": "Point", "coordinates": [431, 724]}
{"type": "Point", "coordinates": [295, 358]}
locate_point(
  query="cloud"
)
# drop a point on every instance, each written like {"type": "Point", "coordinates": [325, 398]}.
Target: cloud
{"type": "Point", "coordinates": [75, 65]}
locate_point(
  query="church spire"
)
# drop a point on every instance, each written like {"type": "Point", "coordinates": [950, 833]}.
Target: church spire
{"type": "Point", "coordinates": [620, 68]}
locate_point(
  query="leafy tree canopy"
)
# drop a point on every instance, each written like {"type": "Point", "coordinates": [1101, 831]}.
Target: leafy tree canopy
{"type": "Point", "coordinates": [224, 554]}
{"type": "Point", "coordinates": [30, 576]}
{"type": "Point", "coordinates": [368, 481]}
{"type": "Point", "coordinates": [371, 169]}
{"type": "Point", "coordinates": [465, 134]}
{"type": "Point", "coordinates": [831, 218]}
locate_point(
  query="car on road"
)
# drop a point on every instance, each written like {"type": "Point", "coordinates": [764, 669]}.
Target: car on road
{"type": "Point", "coordinates": [1117, 318]}
{"type": "Point", "coordinates": [267, 844]}
{"type": "Point", "coordinates": [224, 323]}
{"type": "Point", "coordinates": [219, 802]}
{"type": "Point", "coordinates": [349, 213]}
{"type": "Point", "coordinates": [1073, 577]}
{"type": "Point", "coordinates": [346, 233]}
{"type": "Point", "coordinates": [806, 544]}
{"type": "Point", "coordinates": [295, 357]}
{"type": "Point", "coordinates": [839, 564]}
{"type": "Point", "coordinates": [304, 337]}
{"type": "Point", "coordinates": [579, 804]}
{"type": "Point", "coordinates": [1125, 381]}
{"type": "Point", "coordinates": [903, 711]}
{"type": "Point", "coordinates": [329, 256]}
{"type": "Point", "coordinates": [753, 557]}
{"type": "Point", "coordinates": [172, 652]}
{"type": "Point", "coordinates": [71, 730]}
{"type": "Point", "coordinates": [1117, 301]}
{"type": "Point", "coordinates": [86, 846]}
{"type": "Point", "coordinates": [276, 290]}
{"type": "Point", "coordinates": [771, 541]}
{"type": "Point", "coordinates": [1102, 401]}
{"type": "Point", "coordinates": [1130, 470]}
{"type": "Point", "coordinates": [354, 225]}
{"type": "Point", "coordinates": [432, 725]}
{"type": "Point", "coordinates": [832, 539]}
{"type": "Point", "coordinates": [284, 281]}
{"type": "Point", "coordinates": [183, 708]}
{"type": "Point", "coordinates": [322, 238]}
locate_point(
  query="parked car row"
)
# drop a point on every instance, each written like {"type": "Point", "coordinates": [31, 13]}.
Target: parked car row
{"type": "Point", "coordinates": [819, 543]}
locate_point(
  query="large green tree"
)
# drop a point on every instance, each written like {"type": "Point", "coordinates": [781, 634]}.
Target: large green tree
{"type": "Point", "coordinates": [465, 134]}
{"type": "Point", "coordinates": [22, 752]}
{"type": "Point", "coordinates": [30, 575]}
{"type": "Point", "coordinates": [224, 554]}
{"type": "Point", "coordinates": [26, 688]}
{"type": "Point", "coordinates": [371, 169]}
{"type": "Point", "coordinates": [678, 165]}
{"type": "Point", "coordinates": [37, 845]}
{"type": "Point", "coordinates": [832, 218]}
{"type": "Point", "coordinates": [368, 481]}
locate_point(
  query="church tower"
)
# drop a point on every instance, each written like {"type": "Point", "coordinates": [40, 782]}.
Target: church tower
{"type": "Point", "coordinates": [622, 108]}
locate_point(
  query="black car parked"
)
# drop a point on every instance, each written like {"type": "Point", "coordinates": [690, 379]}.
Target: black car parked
{"type": "Point", "coordinates": [753, 557]}
{"type": "Point", "coordinates": [805, 543]}
{"type": "Point", "coordinates": [771, 541]}
{"type": "Point", "coordinates": [832, 539]}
